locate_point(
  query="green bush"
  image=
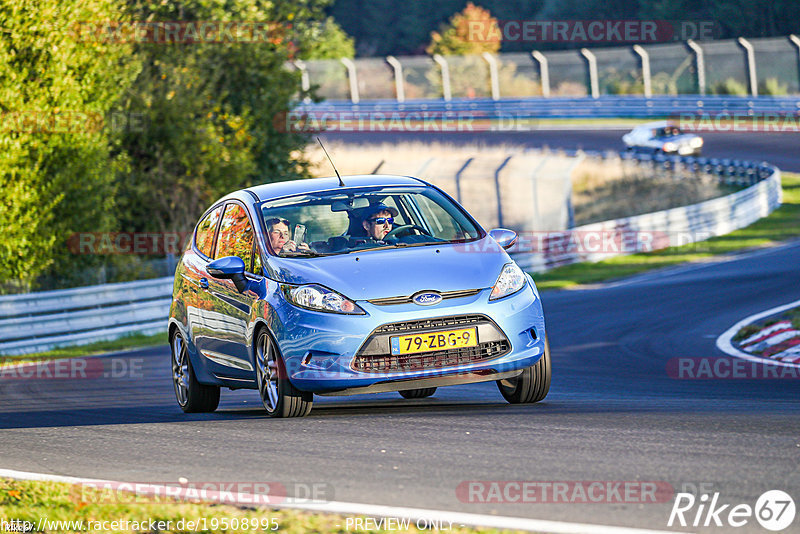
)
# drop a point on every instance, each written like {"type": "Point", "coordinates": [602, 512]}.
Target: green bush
{"type": "Point", "coordinates": [772, 87]}
{"type": "Point", "coordinates": [731, 87]}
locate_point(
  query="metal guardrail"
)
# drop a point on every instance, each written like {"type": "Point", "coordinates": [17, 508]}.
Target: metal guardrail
{"type": "Point", "coordinates": [677, 226]}
{"type": "Point", "coordinates": [537, 108]}
{"type": "Point", "coordinates": [36, 322]}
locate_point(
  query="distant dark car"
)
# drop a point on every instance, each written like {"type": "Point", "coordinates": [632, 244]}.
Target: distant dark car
{"type": "Point", "coordinates": [662, 137]}
{"type": "Point", "coordinates": [433, 301]}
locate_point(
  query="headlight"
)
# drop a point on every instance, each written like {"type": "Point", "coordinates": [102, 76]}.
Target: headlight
{"type": "Point", "coordinates": [318, 298]}
{"type": "Point", "coordinates": [670, 147]}
{"type": "Point", "coordinates": [511, 280]}
{"type": "Point", "coordinates": [696, 142]}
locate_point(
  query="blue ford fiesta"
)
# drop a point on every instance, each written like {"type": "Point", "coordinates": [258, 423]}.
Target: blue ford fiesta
{"type": "Point", "coordinates": [337, 287]}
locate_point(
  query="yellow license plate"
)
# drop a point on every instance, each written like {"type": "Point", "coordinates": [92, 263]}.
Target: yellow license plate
{"type": "Point", "coordinates": [431, 341]}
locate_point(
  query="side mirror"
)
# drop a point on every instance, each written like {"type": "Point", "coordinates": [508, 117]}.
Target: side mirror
{"type": "Point", "coordinates": [230, 268]}
{"type": "Point", "coordinates": [504, 237]}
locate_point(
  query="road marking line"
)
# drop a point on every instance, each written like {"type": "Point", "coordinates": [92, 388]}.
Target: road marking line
{"type": "Point", "coordinates": [725, 341]}
{"type": "Point", "coordinates": [376, 510]}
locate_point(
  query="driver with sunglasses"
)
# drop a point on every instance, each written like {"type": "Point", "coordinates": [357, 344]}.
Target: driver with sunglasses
{"type": "Point", "coordinates": [377, 220]}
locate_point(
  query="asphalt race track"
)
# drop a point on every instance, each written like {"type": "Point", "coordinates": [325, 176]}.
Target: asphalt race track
{"type": "Point", "coordinates": [780, 149]}
{"type": "Point", "coordinates": [613, 414]}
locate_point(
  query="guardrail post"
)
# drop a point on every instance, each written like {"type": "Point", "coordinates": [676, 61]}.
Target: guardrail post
{"type": "Point", "coordinates": [458, 178]}
{"type": "Point", "coordinates": [796, 40]}
{"type": "Point", "coordinates": [305, 81]}
{"type": "Point", "coordinates": [497, 191]}
{"type": "Point", "coordinates": [544, 72]}
{"type": "Point", "coordinates": [645, 57]}
{"type": "Point", "coordinates": [751, 65]}
{"type": "Point", "coordinates": [493, 76]}
{"type": "Point", "coordinates": [398, 78]}
{"type": "Point", "coordinates": [351, 76]}
{"type": "Point", "coordinates": [591, 63]}
{"type": "Point", "coordinates": [445, 70]}
{"type": "Point", "coordinates": [700, 64]}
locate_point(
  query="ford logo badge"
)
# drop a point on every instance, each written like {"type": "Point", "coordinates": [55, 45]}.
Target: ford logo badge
{"type": "Point", "coordinates": [427, 299]}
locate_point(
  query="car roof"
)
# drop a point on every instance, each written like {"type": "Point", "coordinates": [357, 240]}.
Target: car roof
{"type": "Point", "coordinates": [654, 124]}
{"type": "Point", "coordinates": [313, 185]}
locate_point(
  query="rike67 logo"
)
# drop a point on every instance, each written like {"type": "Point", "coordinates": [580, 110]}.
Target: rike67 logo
{"type": "Point", "coordinates": [774, 510]}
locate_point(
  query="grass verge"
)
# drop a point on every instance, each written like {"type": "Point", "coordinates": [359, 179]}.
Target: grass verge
{"type": "Point", "coordinates": [32, 501]}
{"type": "Point", "coordinates": [781, 225]}
{"type": "Point", "coordinates": [133, 341]}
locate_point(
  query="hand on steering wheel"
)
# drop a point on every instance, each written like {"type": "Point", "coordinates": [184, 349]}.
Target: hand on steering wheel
{"type": "Point", "coordinates": [405, 228]}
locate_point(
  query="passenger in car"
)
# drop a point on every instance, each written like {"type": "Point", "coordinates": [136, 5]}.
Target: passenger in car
{"type": "Point", "coordinates": [278, 230]}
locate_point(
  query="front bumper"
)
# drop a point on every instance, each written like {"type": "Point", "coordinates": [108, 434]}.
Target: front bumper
{"type": "Point", "coordinates": [319, 348]}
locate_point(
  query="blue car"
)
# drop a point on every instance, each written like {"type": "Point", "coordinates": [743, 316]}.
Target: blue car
{"type": "Point", "coordinates": [363, 284]}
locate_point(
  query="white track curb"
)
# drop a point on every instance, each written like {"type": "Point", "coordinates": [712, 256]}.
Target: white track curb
{"type": "Point", "coordinates": [373, 510]}
{"type": "Point", "coordinates": [725, 341]}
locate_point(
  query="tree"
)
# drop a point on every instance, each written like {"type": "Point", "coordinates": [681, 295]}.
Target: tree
{"type": "Point", "coordinates": [57, 163]}
{"type": "Point", "coordinates": [214, 110]}
{"type": "Point", "coordinates": [470, 32]}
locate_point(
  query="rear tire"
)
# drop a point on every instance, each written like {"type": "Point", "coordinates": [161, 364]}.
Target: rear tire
{"type": "Point", "coordinates": [193, 397]}
{"type": "Point", "coordinates": [417, 393]}
{"type": "Point", "coordinates": [279, 396]}
{"type": "Point", "coordinates": [530, 386]}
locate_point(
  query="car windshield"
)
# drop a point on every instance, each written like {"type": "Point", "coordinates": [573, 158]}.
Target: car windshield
{"type": "Point", "coordinates": [355, 220]}
{"type": "Point", "coordinates": [669, 131]}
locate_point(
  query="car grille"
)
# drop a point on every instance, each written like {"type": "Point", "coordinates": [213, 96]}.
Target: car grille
{"type": "Point", "coordinates": [430, 360]}
{"type": "Point", "coordinates": [445, 295]}
{"type": "Point", "coordinates": [375, 356]}
{"type": "Point", "coordinates": [427, 324]}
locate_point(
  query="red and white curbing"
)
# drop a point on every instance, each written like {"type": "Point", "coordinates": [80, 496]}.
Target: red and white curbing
{"type": "Point", "coordinates": [777, 344]}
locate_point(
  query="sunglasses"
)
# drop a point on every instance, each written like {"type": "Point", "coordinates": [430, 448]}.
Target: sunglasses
{"type": "Point", "coordinates": [382, 220]}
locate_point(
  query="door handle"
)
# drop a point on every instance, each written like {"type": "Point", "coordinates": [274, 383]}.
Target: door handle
{"type": "Point", "coordinates": [204, 283]}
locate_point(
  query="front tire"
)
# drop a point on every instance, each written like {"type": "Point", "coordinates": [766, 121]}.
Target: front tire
{"type": "Point", "coordinates": [279, 396]}
{"type": "Point", "coordinates": [530, 386]}
{"type": "Point", "coordinates": [193, 397]}
{"type": "Point", "coordinates": [417, 393]}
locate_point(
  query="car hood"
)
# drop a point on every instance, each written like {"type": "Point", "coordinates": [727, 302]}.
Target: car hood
{"type": "Point", "coordinates": [678, 139]}
{"type": "Point", "coordinates": [398, 272]}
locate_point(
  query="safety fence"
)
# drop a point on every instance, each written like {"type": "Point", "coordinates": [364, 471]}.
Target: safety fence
{"type": "Point", "coordinates": [767, 66]}
{"type": "Point", "coordinates": [667, 228]}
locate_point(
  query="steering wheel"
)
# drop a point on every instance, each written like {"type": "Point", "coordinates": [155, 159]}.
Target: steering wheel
{"type": "Point", "coordinates": [405, 228]}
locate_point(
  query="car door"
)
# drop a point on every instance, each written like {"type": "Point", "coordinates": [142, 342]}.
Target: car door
{"type": "Point", "coordinates": [195, 276]}
{"type": "Point", "coordinates": [226, 320]}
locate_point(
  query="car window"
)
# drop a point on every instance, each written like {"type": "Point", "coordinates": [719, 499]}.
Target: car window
{"type": "Point", "coordinates": [235, 235]}
{"type": "Point", "coordinates": [438, 219]}
{"type": "Point", "coordinates": [256, 260]}
{"type": "Point", "coordinates": [204, 236]}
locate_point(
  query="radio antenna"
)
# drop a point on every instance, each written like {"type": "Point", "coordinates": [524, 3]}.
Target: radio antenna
{"type": "Point", "coordinates": [341, 183]}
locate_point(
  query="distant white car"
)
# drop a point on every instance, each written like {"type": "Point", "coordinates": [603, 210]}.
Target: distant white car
{"type": "Point", "coordinates": [663, 137]}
